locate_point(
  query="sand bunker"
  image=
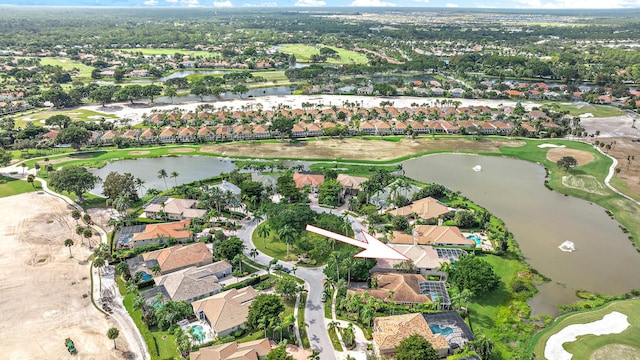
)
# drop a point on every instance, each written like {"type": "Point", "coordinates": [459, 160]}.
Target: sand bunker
{"type": "Point", "coordinates": [545, 145]}
{"type": "Point", "coordinates": [582, 157]}
{"type": "Point", "coordinates": [139, 152]}
{"type": "Point", "coordinates": [613, 323]}
{"type": "Point", "coordinates": [181, 150]}
{"type": "Point", "coordinates": [616, 351]}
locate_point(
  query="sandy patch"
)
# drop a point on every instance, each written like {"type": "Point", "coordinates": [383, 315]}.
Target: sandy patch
{"type": "Point", "coordinates": [42, 289]}
{"type": "Point", "coordinates": [616, 351]}
{"type": "Point", "coordinates": [357, 149]}
{"type": "Point", "coordinates": [143, 152]}
{"type": "Point", "coordinates": [586, 183]}
{"type": "Point", "coordinates": [542, 146]}
{"type": "Point", "coordinates": [582, 157]}
{"type": "Point", "coordinates": [612, 323]}
{"type": "Point", "coordinates": [622, 149]}
{"type": "Point", "coordinates": [181, 150]}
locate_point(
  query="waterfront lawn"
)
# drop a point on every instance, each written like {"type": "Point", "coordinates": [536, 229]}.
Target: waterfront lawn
{"type": "Point", "coordinates": [585, 345]}
{"type": "Point", "coordinates": [10, 186]}
{"type": "Point", "coordinates": [496, 315]}
{"type": "Point", "coordinates": [303, 53]}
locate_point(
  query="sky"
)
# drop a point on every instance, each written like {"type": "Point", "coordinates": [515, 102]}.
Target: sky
{"type": "Point", "coordinates": [524, 4]}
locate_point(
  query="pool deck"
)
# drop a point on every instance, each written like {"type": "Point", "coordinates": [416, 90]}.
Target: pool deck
{"type": "Point", "coordinates": [206, 330]}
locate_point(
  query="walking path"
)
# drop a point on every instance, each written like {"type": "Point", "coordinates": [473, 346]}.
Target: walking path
{"type": "Point", "coordinates": [612, 169]}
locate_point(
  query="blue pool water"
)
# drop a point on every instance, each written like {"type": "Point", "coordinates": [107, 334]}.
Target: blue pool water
{"type": "Point", "coordinates": [475, 238]}
{"type": "Point", "coordinates": [439, 329]}
{"type": "Point", "coordinates": [127, 239]}
{"type": "Point", "coordinates": [146, 276]}
{"type": "Point", "coordinates": [198, 332]}
{"type": "Point", "coordinates": [157, 304]}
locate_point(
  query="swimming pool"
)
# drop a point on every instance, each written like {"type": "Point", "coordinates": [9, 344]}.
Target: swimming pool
{"type": "Point", "coordinates": [439, 329]}
{"type": "Point", "coordinates": [127, 238]}
{"type": "Point", "coordinates": [475, 238]}
{"type": "Point", "coordinates": [146, 276]}
{"type": "Point", "coordinates": [198, 332]}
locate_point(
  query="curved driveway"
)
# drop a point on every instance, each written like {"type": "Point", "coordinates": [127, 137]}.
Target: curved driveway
{"type": "Point", "coordinates": [314, 278]}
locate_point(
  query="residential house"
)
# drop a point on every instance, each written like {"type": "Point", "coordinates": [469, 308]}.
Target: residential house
{"type": "Point", "coordinates": [160, 233]}
{"type": "Point", "coordinates": [312, 180]}
{"type": "Point", "coordinates": [427, 208]}
{"type": "Point", "coordinates": [173, 209]}
{"type": "Point", "coordinates": [227, 187]}
{"type": "Point", "coordinates": [350, 184]}
{"type": "Point", "coordinates": [225, 312]}
{"type": "Point", "coordinates": [402, 289]}
{"type": "Point", "coordinates": [433, 235]}
{"type": "Point", "coordinates": [251, 350]}
{"type": "Point", "coordinates": [384, 197]}
{"type": "Point", "coordinates": [426, 259]}
{"type": "Point", "coordinates": [172, 259]}
{"type": "Point", "coordinates": [268, 181]}
{"type": "Point", "coordinates": [193, 283]}
{"type": "Point", "coordinates": [390, 331]}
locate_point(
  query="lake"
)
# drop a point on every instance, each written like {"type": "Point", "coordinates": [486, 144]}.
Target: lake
{"type": "Point", "coordinates": [604, 261]}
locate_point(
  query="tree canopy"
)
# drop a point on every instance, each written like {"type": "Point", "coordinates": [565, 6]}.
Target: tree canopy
{"type": "Point", "coordinates": [264, 306]}
{"type": "Point", "coordinates": [567, 162]}
{"type": "Point", "coordinates": [75, 136]}
{"type": "Point", "coordinates": [474, 274]}
{"type": "Point", "coordinates": [73, 179]}
{"type": "Point", "coordinates": [415, 347]}
{"type": "Point", "coordinates": [116, 184]}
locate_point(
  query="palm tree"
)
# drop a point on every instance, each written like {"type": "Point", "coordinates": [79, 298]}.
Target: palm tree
{"type": "Point", "coordinates": [289, 321]}
{"type": "Point", "coordinates": [139, 184]}
{"type": "Point", "coordinates": [80, 232]}
{"type": "Point", "coordinates": [75, 214]}
{"type": "Point", "coordinates": [253, 253]}
{"type": "Point", "coordinates": [69, 243]}
{"type": "Point", "coordinates": [162, 174]}
{"type": "Point", "coordinates": [348, 262]}
{"type": "Point", "coordinates": [264, 231]}
{"type": "Point", "coordinates": [315, 355]}
{"type": "Point", "coordinates": [156, 269]}
{"type": "Point", "coordinates": [174, 175]}
{"type": "Point", "coordinates": [32, 180]}
{"type": "Point", "coordinates": [87, 233]}
{"type": "Point", "coordinates": [98, 263]}
{"type": "Point", "coordinates": [335, 257]}
{"type": "Point", "coordinates": [113, 334]}
{"type": "Point", "coordinates": [238, 259]}
{"type": "Point", "coordinates": [333, 325]}
{"type": "Point", "coordinates": [288, 234]}
{"type": "Point", "coordinates": [122, 267]}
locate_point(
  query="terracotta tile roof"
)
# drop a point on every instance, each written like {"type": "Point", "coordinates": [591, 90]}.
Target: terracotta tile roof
{"type": "Point", "coordinates": [352, 182]}
{"type": "Point", "coordinates": [193, 282]}
{"type": "Point", "coordinates": [179, 256]}
{"type": "Point", "coordinates": [252, 350]}
{"type": "Point", "coordinates": [426, 208]}
{"type": "Point", "coordinates": [389, 331]}
{"type": "Point", "coordinates": [422, 256]}
{"type": "Point", "coordinates": [164, 230]}
{"type": "Point", "coordinates": [435, 235]}
{"type": "Point", "coordinates": [302, 180]}
{"type": "Point", "coordinates": [399, 288]}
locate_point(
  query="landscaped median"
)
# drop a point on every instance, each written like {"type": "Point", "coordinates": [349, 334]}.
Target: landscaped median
{"type": "Point", "coordinates": [621, 345]}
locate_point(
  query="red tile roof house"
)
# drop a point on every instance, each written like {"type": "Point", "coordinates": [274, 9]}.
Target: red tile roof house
{"type": "Point", "coordinates": [311, 180]}
{"type": "Point", "coordinates": [167, 135]}
{"type": "Point", "coordinates": [160, 233]}
{"type": "Point", "coordinates": [171, 259]}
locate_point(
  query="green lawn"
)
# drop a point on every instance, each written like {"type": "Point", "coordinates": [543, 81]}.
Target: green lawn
{"type": "Point", "coordinates": [302, 326]}
{"type": "Point", "coordinates": [68, 64]}
{"type": "Point", "coordinates": [587, 344]}
{"type": "Point", "coordinates": [38, 118]}
{"type": "Point", "coordinates": [303, 53]}
{"type": "Point", "coordinates": [271, 76]}
{"type": "Point", "coordinates": [492, 314]}
{"type": "Point", "coordinates": [275, 249]}
{"type": "Point", "coordinates": [10, 186]}
{"type": "Point", "coordinates": [334, 339]}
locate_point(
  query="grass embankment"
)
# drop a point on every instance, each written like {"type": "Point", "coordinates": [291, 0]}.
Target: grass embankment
{"type": "Point", "coordinates": [302, 326]}
{"type": "Point", "coordinates": [496, 315]}
{"type": "Point", "coordinates": [161, 344]}
{"type": "Point", "coordinates": [10, 186]}
{"type": "Point", "coordinates": [588, 181]}
{"type": "Point", "coordinates": [303, 53]}
{"type": "Point", "coordinates": [585, 345]}
{"type": "Point", "coordinates": [334, 339]}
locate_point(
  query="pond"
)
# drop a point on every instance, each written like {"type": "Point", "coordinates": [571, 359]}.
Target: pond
{"type": "Point", "coordinates": [189, 168]}
{"type": "Point", "coordinates": [257, 92]}
{"type": "Point", "coordinates": [541, 220]}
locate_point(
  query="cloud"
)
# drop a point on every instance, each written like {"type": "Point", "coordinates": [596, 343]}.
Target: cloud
{"type": "Point", "coordinates": [268, 4]}
{"type": "Point", "coordinates": [371, 3]}
{"type": "Point", "coordinates": [220, 4]}
{"type": "Point", "coordinates": [578, 4]}
{"type": "Point", "coordinates": [310, 3]}
{"type": "Point", "coordinates": [422, 1]}
{"type": "Point", "coordinates": [189, 3]}
{"type": "Point", "coordinates": [452, 5]}
{"type": "Point", "coordinates": [151, 2]}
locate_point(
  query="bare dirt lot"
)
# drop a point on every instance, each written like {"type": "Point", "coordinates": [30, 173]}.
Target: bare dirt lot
{"type": "Point", "coordinates": [617, 126]}
{"type": "Point", "coordinates": [356, 149]}
{"type": "Point", "coordinates": [42, 289]}
{"type": "Point", "coordinates": [621, 150]}
{"type": "Point", "coordinates": [582, 157]}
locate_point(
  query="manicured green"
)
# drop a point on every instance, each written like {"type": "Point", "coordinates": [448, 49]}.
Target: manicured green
{"type": "Point", "coordinates": [275, 249]}
{"type": "Point", "coordinates": [585, 345]}
{"type": "Point", "coordinates": [68, 64]}
{"type": "Point", "coordinates": [577, 109]}
{"type": "Point", "coordinates": [272, 76]}
{"type": "Point", "coordinates": [334, 339]}
{"type": "Point", "coordinates": [10, 186]}
{"type": "Point", "coordinates": [303, 53]}
{"type": "Point", "coordinates": [302, 326]}
{"type": "Point", "coordinates": [38, 118]}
